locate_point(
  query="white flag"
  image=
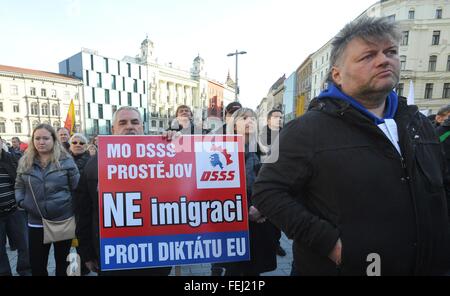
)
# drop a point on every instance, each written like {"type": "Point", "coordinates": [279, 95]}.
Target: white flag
{"type": "Point", "coordinates": [411, 93]}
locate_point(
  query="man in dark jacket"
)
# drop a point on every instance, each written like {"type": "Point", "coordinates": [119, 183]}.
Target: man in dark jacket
{"type": "Point", "coordinates": [12, 220]}
{"type": "Point", "coordinates": [359, 184]}
{"type": "Point", "coordinates": [126, 121]}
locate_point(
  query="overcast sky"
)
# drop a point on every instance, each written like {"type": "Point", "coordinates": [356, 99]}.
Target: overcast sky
{"type": "Point", "coordinates": [277, 34]}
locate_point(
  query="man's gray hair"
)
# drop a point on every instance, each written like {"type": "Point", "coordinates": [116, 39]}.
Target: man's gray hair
{"type": "Point", "coordinates": [369, 29]}
{"type": "Point", "coordinates": [129, 108]}
{"type": "Point", "coordinates": [444, 110]}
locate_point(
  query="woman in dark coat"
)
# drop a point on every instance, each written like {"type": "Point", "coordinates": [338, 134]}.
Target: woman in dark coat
{"type": "Point", "coordinates": [263, 241]}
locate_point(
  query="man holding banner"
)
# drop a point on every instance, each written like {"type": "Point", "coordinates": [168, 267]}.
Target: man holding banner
{"type": "Point", "coordinates": [126, 121]}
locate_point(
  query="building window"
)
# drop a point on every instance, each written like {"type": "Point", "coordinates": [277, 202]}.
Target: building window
{"type": "Point", "coordinates": [89, 110]}
{"type": "Point", "coordinates": [1, 106]}
{"type": "Point", "coordinates": [436, 36]}
{"type": "Point", "coordinates": [448, 63]}
{"type": "Point", "coordinates": [118, 67]}
{"type": "Point", "coordinates": [129, 99]}
{"type": "Point", "coordinates": [92, 62]}
{"type": "Point", "coordinates": [14, 90]}
{"type": "Point", "coordinates": [32, 91]}
{"type": "Point", "coordinates": [446, 92]}
{"type": "Point", "coordinates": [411, 14]}
{"type": "Point", "coordinates": [87, 77]}
{"type": "Point", "coordinates": [99, 79]}
{"type": "Point", "coordinates": [107, 96]}
{"type": "Point", "coordinates": [140, 72]}
{"type": "Point", "coordinates": [113, 82]}
{"type": "Point", "coordinates": [34, 109]}
{"type": "Point", "coordinates": [143, 86]}
{"type": "Point", "coordinates": [16, 108]}
{"type": "Point", "coordinates": [160, 124]}
{"type": "Point", "coordinates": [135, 85]}
{"type": "Point", "coordinates": [35, 124]}
{"type": "Point", "coordinates": [43, 92]}
{"type": "Point", "coordinates": [391, 18]}
{"type": "Point", "coordinates": [0, 88]}
{"type": "Point", "coordinates": [123, 83]}
{"type": "Point", "coordinates": [400, 89]}
{"type": "Point", "coordinates": [140, 100]}
{"type": "Point", "coordinates": [100, 111]}
{"type": "Point", "coordinates": [18, 127]}
{"type": "Point", "coordinates": [55, 110]}
{"type": "Point", "coordinates": [405, 37]}
{"type": "Point", "coordinates": [429, 91]}
{"type": "Point", "coordinates": [44, 109]}
{"type": "Point", "coordinates": [120, 98]}
{"type": "Point", "coordinates": [108, 127]}
{"type": "Point", "coordinates": [96, 129]}
{"type": "Point", "coordinates": [93, 95]}
{"type": "Point", "coordinates": [106, 65]}
{"type": "Point", "coordinates": [439, 13]}
{"type": "Point", "coordinates": [114, 109]}
{"type": "Point", "coordinates": [432, 64]}
{"type": "Point", "coordinates": [2, 127]}
{"type": "Point", "coordinates": [153, 123]}
{"type": "Point", "coordinates": [402, 62]}
{"type": "Point", "coordinates": [129, 69]}
{"type": "Point", "coordinates": [53, 93]}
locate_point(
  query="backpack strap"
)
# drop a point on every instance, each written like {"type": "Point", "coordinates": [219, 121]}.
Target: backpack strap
{"type": "Point", "coordinates": [444, 136]}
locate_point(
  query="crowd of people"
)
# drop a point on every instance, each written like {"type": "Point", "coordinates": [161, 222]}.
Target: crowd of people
{"type": "Point", "coordinates": [360, 174]}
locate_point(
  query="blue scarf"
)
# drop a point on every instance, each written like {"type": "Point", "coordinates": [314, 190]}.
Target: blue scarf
{"type": "Point", "coordinates": [334, 92]}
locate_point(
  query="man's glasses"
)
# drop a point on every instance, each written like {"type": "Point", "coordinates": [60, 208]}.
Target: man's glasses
{"type": "Point", "coordinates": [76, 143]}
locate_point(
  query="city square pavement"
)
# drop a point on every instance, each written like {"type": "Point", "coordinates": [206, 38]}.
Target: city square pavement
{"type": "Point", "coordinates": [283, 267]}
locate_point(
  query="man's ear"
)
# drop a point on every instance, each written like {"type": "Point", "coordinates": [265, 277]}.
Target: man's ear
{"type": "Point", "coordinates": [336, 75]}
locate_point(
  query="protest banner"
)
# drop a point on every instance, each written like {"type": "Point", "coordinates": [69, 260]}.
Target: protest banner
{"type": "Point", "coordinates": [171, 203]}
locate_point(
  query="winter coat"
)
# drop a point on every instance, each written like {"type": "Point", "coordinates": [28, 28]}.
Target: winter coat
{"type": "Point", "coordinates": [263, 236]}
{"type": "Point", "coordinates": [81, 161]}
{"type": "Point", "coordinates": [339, 176]}
{"type": "Point", "coordinates": [8, 203]}
{"type": "Point", "coordinates": [52, 188]}
{"type": "Point", "coordinates": [86, 212]}
{"type": "Point", "coordinates": [443, 132]}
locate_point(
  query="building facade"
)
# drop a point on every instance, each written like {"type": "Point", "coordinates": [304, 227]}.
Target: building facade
{"type": "Point", "coordinates": [108, 84]}
{"type": "Point", "coordinates": [303, 95]}
{"type": "Point", "coordinates": [320, 66]}
{"type": "Point", "coordinates": [290, 97]}
{"type": "Point", "coordinates": [30, 97]}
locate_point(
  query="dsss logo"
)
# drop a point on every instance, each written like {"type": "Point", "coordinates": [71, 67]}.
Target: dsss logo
{"type": "Point", "coordinates": [217, 165]}
{"type": "Point", "coordinates": [219, 158]}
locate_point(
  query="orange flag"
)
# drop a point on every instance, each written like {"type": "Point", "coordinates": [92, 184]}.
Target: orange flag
{"type": "Point", "coordinates": [70, 119]}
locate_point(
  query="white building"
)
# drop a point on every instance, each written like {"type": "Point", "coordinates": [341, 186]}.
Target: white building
{"type": "Point", "coordinates": [170, 87]}
{"type": "Point", "coordinates": [424, 49]}
{"type": "Point", "coordinates": [108, 85]}
{"type": "Point", "coordinates": [29, 97]}
{"type": "Point", "coordinates": [320, 67]}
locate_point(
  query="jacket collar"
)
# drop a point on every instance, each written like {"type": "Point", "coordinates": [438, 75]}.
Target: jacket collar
{"type": "Point", "coordinates": [334, 93]}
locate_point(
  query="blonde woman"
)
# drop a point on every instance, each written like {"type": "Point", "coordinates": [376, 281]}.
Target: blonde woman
{"type": "Point", "coordinates": [263, 240]}
{"type": "Point", "coordinates": [49, 172]}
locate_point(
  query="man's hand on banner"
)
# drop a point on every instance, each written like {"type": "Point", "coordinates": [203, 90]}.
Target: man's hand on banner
{"type": "Point", "coordinates": [171, 135]}
{"type": "Point", "coordinates": [255, 216]}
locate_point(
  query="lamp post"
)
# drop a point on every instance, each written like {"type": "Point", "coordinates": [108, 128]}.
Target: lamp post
{"type": "Point", "coordinates": [236, 87]}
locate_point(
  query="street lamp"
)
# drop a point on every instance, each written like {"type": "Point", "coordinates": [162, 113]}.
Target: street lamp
{"type": "Point", "coordinates": [236, 87]}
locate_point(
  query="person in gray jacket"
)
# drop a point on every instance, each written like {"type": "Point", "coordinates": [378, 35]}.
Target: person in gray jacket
{"type": "Point", "coordinates": [52, 173]}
